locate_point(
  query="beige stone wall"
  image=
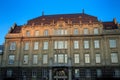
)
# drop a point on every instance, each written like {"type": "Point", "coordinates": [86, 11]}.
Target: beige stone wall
{"type": "Point", "coordinates": [21, 38]}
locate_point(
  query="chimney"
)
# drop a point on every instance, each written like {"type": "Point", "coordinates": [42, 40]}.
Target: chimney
{"type": "Point", "coordinates": [115, 21]}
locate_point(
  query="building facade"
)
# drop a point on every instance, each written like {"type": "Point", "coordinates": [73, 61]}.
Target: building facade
{"type": "Point", "coordinates": [62, 47]}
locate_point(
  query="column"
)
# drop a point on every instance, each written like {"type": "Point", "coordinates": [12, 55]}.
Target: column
{"type": "Point", "coordinates": [50, 74]}
{"type": "Point", "coordinates": [70, 74]}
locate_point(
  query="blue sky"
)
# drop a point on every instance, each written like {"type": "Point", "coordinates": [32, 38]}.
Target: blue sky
{"type": "Point", "coordinates": [20, 11]}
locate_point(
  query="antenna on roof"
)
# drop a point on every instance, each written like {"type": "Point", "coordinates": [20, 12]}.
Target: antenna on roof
{"type": "Point", "coordinates": [42, 13]}
{"type": "Point", "coordinates": [83, 11]}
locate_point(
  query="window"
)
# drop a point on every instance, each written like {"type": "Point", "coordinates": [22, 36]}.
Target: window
{"type": "Point", "coordinates": [88, 73]}
{"type": "Point", "coordinates": [45, 59]}
{"type": "Point", "coordinates": [112, 43]}
{"type": "Point", "coordinates": [76, 31]}
{"type": "Point", "coordinates": [98, 59]}
{"type": "Point", "coordinates": [36, 33]}
{"type": "Point", "coordinates": [27, 46]}
{"type": "Point", "coordinates": [0, 51]}
{"type": "Point", "coordinates": [86, 44]}
{"type": "Point", "coordinates": [87, 58]}
{"type": "Point", "coordinates": [25, 60]}
{"type": "Point", "coordinates": [11, 59]}
{"type": "Point", "coordinates": [60, 32]}
{"type": "Point", "coordinates": [60, 45]}
{"type": "Point", "coordinates": [96, 31]}
{"type": "Point", "coordinates": [99, 73]}
{"type": "Point", "coordinates": [45, 45]}
{"type": "Point", "coordinates": [96, 44]}
{"type": "Point", "coordinates": [117, 73]}
{"type": "Point", "coordinates": [76, 45]}
{"type": "Point", "coordinates": [46, 33]}
{"type": "Point", "coordinates": [9, 73]}
{"type": "Point", "coordinates": [77, 72]}
{"type": "Point", "coordinates": [114, 57]}
{"type": "Point", "coordinates": [86, 31]}
{"type": "Point", "coordinates": [76, 58]}
{"type": "Point", "coordinates": [27, 33]}
{"type": "Point", "coordinates": [36, 45]}
{"type": "Point", "coordinates": [12, 46]}
{"type": "Point", "coordinates": [35, 59]}
{"type": "Point", "coordinates": [34, 73]}
{"type": "Point", "coordinates": [60, 58]}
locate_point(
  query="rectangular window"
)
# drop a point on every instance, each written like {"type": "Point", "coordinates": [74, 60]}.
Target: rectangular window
{"type": "Point", "coordinates": [12, 46]}
{"type": "Point", "coordinates": [76, 45]}
{"type": "Point", "coordinates": [96, 44]}
{"type": "Point", "coordinates": [36, 45]}
{"type": "Point", "coordinates": [117, 73]}
{"type": "Point", "coordinates": [96, 31]}
{"type": "Point", "coordinates": [27, 33]}
{"type": "Point", "coordinates": [27, 46]}
{"type": "Point", "coordinates": [112, 43]}
{"type": "Point", "coordinates": [98, 59]}
{"type": "Point", "coordinates": [75, 31]}
{"type": "Point", "coordinates": [87, 58]}
{"type": "Point", "coordinates": [45, 59]}
{"type": "Point", "coordinates": [86, 31]}
{"type": "Point", "coordinates": [86, 44]}
{"type": "Point", "coordinates": [60, 58]}
{"type": "Point", "coordinates": [88, 73]}
{"type": "Point", "coordinates": [77, 72]}
{"type": "Point", "coordinates": [45, 46]}
{"type": "Point", "coordinates": [34, 73]}
{"type": "Point", "coordinates": [55, 58]}
{"type": "Point", "coordinates": [66, 32]}
{"type": "Point", "coordinates": [35, 59]}
{"type": "Point", "coordinates": [25, 60]}
{"type": "Point", "coordinates": [36, 33]}
{"type": "Point", "coordinates": [60, 44]}
{"type": "Point", "coordinates": [114, 57]}
{"type": "Point", "coordinates": [76, 58]}
{"type": "Point", "coordinates": [9, 73]}
{"type": "Point", "coordinates": [46, 33]}
{"type": "Point", "coordinates": [11, 59]}
{"type": "Point", "coordinates": [66, 58]}
{"type": "Point", "coordinates": [99, 73]}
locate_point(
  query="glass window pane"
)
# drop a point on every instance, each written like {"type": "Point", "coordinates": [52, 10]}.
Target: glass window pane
{"type": "Point", "coordinates": [45, 59]}
{"type": "Point", "coordinates": [36, 45]}
{"type": "Point", "coordinates": [75, 31]}
{"type": "Point", "coordinates": [45, 45]}
{"type": "Point", "coordinates": [96, 31]}
{"type": "Point", "coordinates": [27, 46]}
{"type": "Point", "coordinates": [12, 46]}
{"type": "Point", "coordinates": [114, 57]}
{"type": "Point", "coordinates": [25, 61]}
{"type": "Point", "coordinates": [76, 57]}
{"type": "Point", "coordinates": [36, 33]}
{"type": "Point", "coordinates": [87, 58]}
{"type": "Point", "coordinates": [76, 44]}
{"type": "Point", "coordinates": [96, 44]}
{"type": "Point", "coordinates": [60, 58]}
{"type": "Point", "coordinates": [35, 59]}
{"type": "Point", "coordinates": [112, 43]}
{"type": "Point", "coordinates": [98, 60]}
{"type": "Point", "coordinates": [85, 31]}
{"type": "Point", "coordinates": [11, 59]}
{"type": "Point", "coordinates": [86, 44]}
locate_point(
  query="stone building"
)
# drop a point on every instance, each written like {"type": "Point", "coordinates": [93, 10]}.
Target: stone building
{"type": "Point", "coordinates": [62, 47]}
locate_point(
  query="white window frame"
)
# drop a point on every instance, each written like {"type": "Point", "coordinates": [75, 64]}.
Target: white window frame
{"type": "Point", "coordinates": [76, 31]}
{"type": "Point", "coordinates": [28, 33]}
{"type": "Point", "coordinates": [114, 57]}
{"type": "Point", "coordinates": [87, 58]}
{"type": "Point", "coordinates": [36, 45]}
{"type": "Point", "coordinates": [113, 43]}
{"type": "Point", "coordinates": [96, 31]}
{"type": "Point", "coordinates": [96, 44]}
{"type": "Point", "coordinates": [76, 44]}
{"type": "Point", "coordinates": [26, 46]}
{"type": "Point", "coordinates": [36, 33]}
{"type": "Point", "coordinates": [60, 58]}
{"type": "Point", "coordinates": [60, 44]}
{"type": "Point", "coordinates": [86, 44]}
{"type": "Point", "coordinates": [76, 58]}
{"type": "Point", "coordinates": [12, 45]}
{"type": "Point", "coordinates": [86, 31]}
{"type": "Point", "coordinates": [46, 32]}
{"type": "Point", "coordinates": [45, 45]}
{"type": "Point", "coordinates": [25, 59]}
{"type": "Point", "coordinates": [35, 59]}
{"type": "Point", "coordinates": [11, 59]}
{"type": "Point", "coordinates": [98, 58]}
{"type": "Point", "coordinates": [45, 59]}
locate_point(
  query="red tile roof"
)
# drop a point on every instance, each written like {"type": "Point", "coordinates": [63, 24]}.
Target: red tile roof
{"type": "Point", "coordinates": [75, 18]}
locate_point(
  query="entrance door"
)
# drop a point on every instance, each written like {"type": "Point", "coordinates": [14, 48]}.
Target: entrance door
{"type": "Point", "coordinates": [60, 74]}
